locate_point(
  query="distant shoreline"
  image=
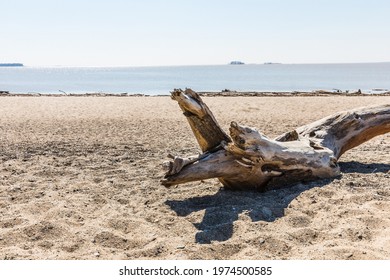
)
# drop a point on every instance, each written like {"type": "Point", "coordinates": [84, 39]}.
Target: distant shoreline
{"type": "Point", "coordinates": [195, 65]}
{"type": "Point", "coordinates": [224, 93]}
{"type": "Point", "coordinates": [11, 65]}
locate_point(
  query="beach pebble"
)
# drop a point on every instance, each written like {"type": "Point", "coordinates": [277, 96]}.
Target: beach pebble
{"type": "Point", "coordinates": [16, 188]}
{"type": "Point", "coordinates": [262, 241]}
{"type": "Point", "coordinates": [97, 254]}
{"type": "Point", "coordinates": [180, 247]}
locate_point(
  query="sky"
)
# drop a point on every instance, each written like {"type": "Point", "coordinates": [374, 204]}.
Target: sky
{"type": "Point", "coordinates": [193, 32]}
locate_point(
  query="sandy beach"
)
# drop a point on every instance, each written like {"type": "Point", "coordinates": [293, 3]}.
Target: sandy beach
{"type": "Point", "coordinates": [79, 179]}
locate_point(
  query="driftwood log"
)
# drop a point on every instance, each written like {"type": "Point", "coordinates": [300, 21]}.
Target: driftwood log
{"type": "Point", "coordinates": [250, 160]}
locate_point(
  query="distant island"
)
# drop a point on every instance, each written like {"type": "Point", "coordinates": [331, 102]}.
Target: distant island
{"type": "Point", "coordinates": [11, 65]}
{"type": "Point", "coordinates": [272, 63]}
{"type": "Point", "coordinates": [236, 62]}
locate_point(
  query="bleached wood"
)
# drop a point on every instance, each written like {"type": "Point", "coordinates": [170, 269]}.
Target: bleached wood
{"type": "Point", "coordinates": [203, 124]}
{"type": "Point", "coordinates": [250, 160]}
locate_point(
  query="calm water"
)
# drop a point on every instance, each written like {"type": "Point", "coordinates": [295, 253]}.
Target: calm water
{"type": "Point", "coordinates": [161, 80]}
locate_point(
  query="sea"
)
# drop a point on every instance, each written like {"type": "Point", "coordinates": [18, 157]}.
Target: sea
{"type": "Point", "coordinates": [368, 77]}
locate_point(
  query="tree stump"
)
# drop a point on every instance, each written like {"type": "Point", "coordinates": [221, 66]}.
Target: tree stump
{"type": "Point", "coordinates": [250, 160]}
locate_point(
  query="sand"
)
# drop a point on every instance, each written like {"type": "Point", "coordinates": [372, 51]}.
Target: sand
{"type": "Point", "coordinates": [79, 179]}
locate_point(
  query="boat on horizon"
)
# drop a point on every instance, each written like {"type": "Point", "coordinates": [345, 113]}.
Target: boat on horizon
{"type": "Point", "coordinates": [236, 62]}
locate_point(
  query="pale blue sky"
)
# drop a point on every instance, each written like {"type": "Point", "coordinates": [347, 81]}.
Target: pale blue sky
{"type": "Point", "coordinates": [193, 32]}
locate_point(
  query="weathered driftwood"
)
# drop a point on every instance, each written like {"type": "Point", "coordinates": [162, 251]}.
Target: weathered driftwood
{"type": "Point", "coordinates": [249, 160]}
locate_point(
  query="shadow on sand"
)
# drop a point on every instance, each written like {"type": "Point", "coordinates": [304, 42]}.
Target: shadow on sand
{"type": "Point", "coordinates": [223, 208]}
{"type": "Point", "coordinates": [364, 168]}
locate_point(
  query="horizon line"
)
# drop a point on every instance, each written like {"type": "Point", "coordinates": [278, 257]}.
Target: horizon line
{"type": "Point", "coordinates": [189, 65]}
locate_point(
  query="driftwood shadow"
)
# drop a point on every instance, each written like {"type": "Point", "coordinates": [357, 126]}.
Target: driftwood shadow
{"type": "Point", "coordinates": [364, 168]}
{"type": "Point", "coordinates": [223, 208]}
